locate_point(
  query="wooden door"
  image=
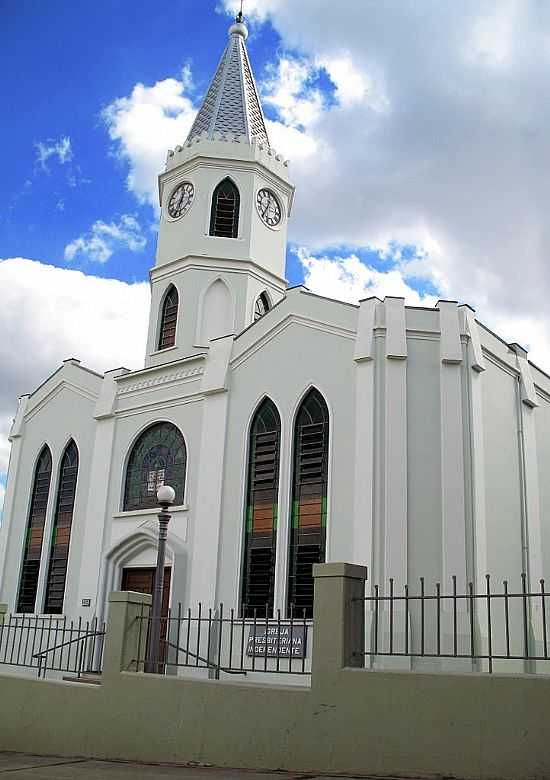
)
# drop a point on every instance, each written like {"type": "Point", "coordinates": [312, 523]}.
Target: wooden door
{"type": "Point", "coordinates": [143, 581]}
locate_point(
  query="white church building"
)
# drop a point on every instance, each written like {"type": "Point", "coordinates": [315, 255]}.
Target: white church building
{"type": "Point", "coordinates": [294, 428]}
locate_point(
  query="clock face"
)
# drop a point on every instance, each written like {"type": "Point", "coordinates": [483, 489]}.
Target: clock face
{"type": "Point", "coordinates": [181, 200]}
{"type": "Point", "coordinates": [269, 208]}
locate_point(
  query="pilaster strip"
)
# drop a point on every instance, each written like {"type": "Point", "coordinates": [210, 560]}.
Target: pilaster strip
{"type": "Point", "coordinates": [449, 325]}
{"type": "Point", "coordinates": [396, 336]}
{"type": "Point", "coordinates": [395, 476]}
{"type": "Point", "coordinates": [528, 392]}
{"type": "Point", "coordinates": [477, 361]}
{"type": "Point", "coordinates": [364, 341]}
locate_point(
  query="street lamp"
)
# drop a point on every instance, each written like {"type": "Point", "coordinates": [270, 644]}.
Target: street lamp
{"type": "Point", "coordinates": [166, 496]}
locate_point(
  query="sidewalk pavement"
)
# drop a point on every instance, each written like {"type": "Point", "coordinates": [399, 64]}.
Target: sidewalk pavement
{"type": "Point", "coordinates": [23, 766]}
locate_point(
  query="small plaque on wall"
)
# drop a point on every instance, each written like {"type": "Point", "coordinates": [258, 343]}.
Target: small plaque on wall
{"type": "Point", "coordinates": [86, 602]}
{"type": "Point", "coordinates": [277, 641]}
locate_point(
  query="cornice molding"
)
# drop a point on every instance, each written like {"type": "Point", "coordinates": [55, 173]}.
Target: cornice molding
{"type": "Point", "coordinates": [176, 376]}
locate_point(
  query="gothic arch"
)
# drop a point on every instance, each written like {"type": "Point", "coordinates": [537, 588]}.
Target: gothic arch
{"type": "Point", "coordinates": [168, 318]}
{"type": "Point", "coordinates": [34, 537]}
{"type": "Point", "coordinates": [157, 455]}
{"type": "Point", "coordinates": [67, 485]}
{"type": "Point", "coordinates": [311, 437]}
{"type": "Point", "coordinates": [127, 549]}
{"type": "Point", "coordinates": [261, 510]}
{"type": "Point", "coordinates": [217, 311]}
{"type": "Point", "coordinates": [262, 304]}
{"type": "Point", "coordinates": [225, 210]}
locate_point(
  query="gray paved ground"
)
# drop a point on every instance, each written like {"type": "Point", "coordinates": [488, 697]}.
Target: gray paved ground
{"type": "Point", "coordinates": [22, 766]}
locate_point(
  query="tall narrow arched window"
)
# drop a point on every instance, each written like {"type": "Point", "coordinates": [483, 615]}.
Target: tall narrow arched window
{"type": "Point", "coordinates": [169, 319]}
{"type": "Point", "coordinates": [224, 218]}
{"type": "Point", "coordinates": [159, 457]}
{"type": "Point", "coordinates": [61, 535]}
{"type": "Point", "coordinates": [28, 583]}
{"type": "Point", "coordinates": [309, 501]}
{"type": "Point", "coordinates": [258, 581]}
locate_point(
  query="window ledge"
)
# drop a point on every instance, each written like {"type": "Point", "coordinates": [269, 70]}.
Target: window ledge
{"type": "Point", "coordinates": [164, 351]}
{"type": "Point", "coordinates": [149, 512]}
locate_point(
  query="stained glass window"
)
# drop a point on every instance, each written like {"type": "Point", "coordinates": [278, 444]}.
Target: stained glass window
{"type": "Point", "coordinates": [28, 584]}
{"type": "Point", "coordinates": [158, 458]}
{"type": "Point", "coordinates": [169, 319]}
{"type": "Point", "coordinates": [309, 501]}
{"type": "Point", "coordinates": [224, 219]}
{"type": "Point", "coordinates": [61, 536]}
{"type": "Point", "coordinates": [262, 306]}
{"type": "Point", "coordinates": [258, 584]}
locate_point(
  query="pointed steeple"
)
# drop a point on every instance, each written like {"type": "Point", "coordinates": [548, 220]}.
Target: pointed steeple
{"type": "Point", "coordinates": [232, 104]}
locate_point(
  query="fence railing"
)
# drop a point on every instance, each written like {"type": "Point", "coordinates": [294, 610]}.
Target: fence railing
{"type": "Point", "coordinates": [220, 641]}
{"type": "Point", "coordinates": [498, 624]}
{"type": "Point", "coordinates": [51, 644]}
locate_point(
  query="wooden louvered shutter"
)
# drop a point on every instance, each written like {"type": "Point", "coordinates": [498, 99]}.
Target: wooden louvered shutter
{"type": "Point", "coordinates": [61, 538]}
{"type": "Point", "coordinates": [30, 570]}
{"type": "Point", "coordinates": [224, 220]}
{"type": "Point", "coordinates": [309, 501]}
{"type": "Point", "coordinates": [169, 319]}
{"type": "Point", "coordinates": [261, 513]}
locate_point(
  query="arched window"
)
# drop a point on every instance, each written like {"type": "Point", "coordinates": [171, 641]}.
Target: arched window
{"type": "Point", "coordinates": [169, 319]}
{"type": "Point", "coordinates": [158, 458]}
{"type": "Point", "coordinates": [61, 536]}
{"type": "Point", "coordinates": [309, 501]}
{"type": "Point", "coordinates": [262, 306]}
{"type": "Point", "coordinates": [258, 582]}
{"type": "Point", "coordinates": [28, 583]}
{"type": "Point", "coordinates": [224, 219]}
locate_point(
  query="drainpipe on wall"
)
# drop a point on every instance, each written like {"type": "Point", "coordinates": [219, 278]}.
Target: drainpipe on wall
{"type": "Point", "coordinates": [526, 569]}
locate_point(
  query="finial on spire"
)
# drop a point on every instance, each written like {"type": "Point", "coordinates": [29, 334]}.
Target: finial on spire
{"type": "Point", "coordinates": [239, 28]}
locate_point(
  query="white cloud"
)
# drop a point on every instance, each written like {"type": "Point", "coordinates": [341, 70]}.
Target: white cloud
{"type": "Point", "coordinates": [99, 244]}
{"type": "Point", "coordinates": [145, 125]}
{"type": "Point", "coordinates": [437, 138]}
{"type": "Point", "coordinates": [50, 314]}
{"type": "Point", "coordinates": [51, 148]}
{"type": "Point", "coordinates": [286, 88]}
{"type": "Point", "coordinates": [349, 279]}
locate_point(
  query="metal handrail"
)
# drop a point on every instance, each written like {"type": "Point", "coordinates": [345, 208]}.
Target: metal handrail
{"type": "Point", "coordinates": [208, 663]}
{"type": "Point", "coordinates": [40, 655]}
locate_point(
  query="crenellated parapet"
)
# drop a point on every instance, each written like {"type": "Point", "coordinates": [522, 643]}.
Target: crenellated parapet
{"type": "Point", "coordinates": [228, 146]}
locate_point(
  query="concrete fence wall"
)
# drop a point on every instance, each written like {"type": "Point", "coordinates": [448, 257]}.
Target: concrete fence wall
{"type": "Point", "coordinates": [351, 720]}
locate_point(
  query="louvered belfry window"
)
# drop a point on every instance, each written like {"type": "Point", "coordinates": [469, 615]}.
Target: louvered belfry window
{"type": "Point", "coordinates": [158, 458]}
{"type": "Point", "coordinates": [224, 220]}
{"type": "Point", "coordinates": [258, 583]}
{"type": "Point", "coordinates": [309, 501]}
{"type": "Point", "coordinates": [169, 319]}
{"type": "Point", "coordinates": [28, 584]}
{"type": "Point", "coordinates": [61, 537]}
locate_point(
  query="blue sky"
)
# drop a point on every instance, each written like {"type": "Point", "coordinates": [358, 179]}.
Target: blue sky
{"type": "Point", "coordinates": [67, 64]}
{"type": "Point", "coordinates": [416, 132]}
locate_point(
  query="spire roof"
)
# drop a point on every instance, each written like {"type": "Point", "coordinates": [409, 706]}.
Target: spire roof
{"type": "Point", "coordinates": [232, 104]}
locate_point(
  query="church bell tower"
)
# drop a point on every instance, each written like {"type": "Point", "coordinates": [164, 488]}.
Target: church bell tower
{"type": "Point", "coordinates": [225, 200]}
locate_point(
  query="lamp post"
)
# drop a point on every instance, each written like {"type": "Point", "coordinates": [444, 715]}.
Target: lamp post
{"type": "Point", "coordinates": [166, 497]}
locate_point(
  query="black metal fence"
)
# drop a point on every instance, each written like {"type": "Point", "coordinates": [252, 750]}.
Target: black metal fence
{"type": "Point", "coordinates": [219, 641]}
{"type": "Point", "coordinates": [51, 644]}
{"type": "Point", "coordinates": [497, 625]}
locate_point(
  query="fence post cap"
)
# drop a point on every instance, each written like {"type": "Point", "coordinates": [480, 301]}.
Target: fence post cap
{"type": "Point", "coordinates": [350, 570]}
{"type": "Point", "coordinates": [129, 597]}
